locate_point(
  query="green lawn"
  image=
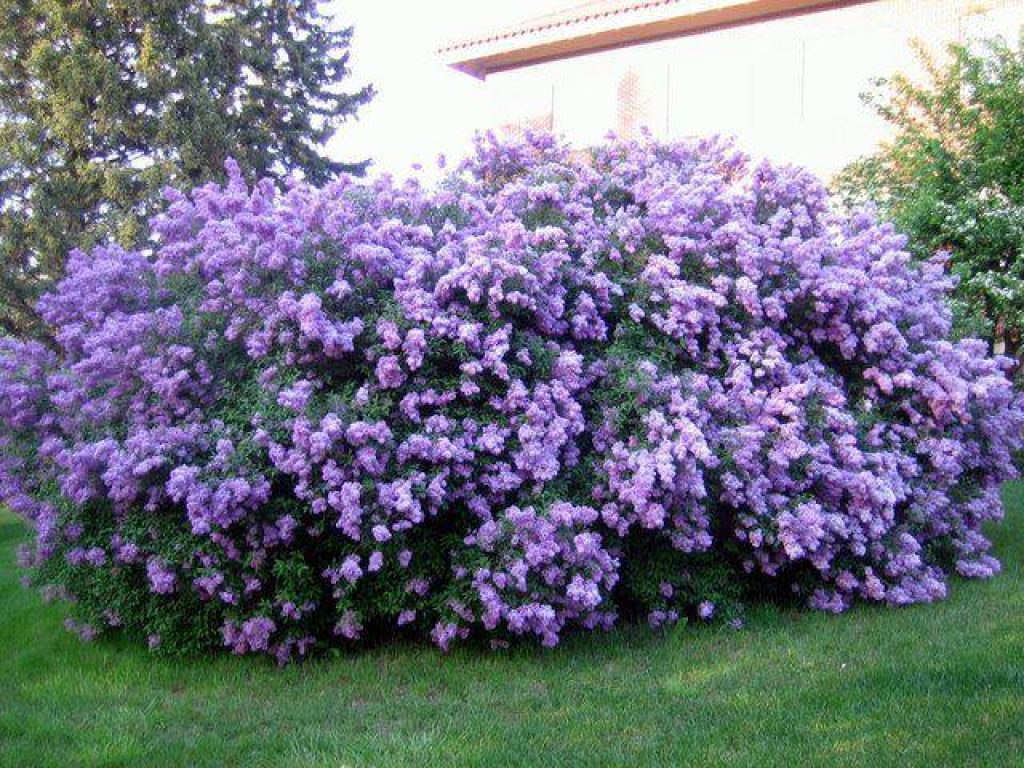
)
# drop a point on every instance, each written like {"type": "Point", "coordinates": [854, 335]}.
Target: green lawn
{"type": "Point", "coordinates": [936, 685]}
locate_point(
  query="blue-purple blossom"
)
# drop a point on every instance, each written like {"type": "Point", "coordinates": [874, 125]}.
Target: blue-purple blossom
{"type": "Point", "coordinates": [552, 392]}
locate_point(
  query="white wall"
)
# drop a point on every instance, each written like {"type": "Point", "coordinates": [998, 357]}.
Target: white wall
{"type": "Point", "coordinates": [788, 88]}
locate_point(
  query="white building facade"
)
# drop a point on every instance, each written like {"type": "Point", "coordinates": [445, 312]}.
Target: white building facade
{"type": "Point", "coordinates": [785, 78]}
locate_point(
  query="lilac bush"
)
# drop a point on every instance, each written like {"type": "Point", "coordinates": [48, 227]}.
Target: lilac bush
{"type": "Point", "coordinates": [553, 392]}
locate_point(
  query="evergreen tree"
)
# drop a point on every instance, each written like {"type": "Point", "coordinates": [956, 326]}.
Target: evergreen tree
{"type": "Point", "coordinates": [104, 102]}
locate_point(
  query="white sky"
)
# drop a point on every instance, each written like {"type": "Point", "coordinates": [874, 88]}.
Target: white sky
{"type": "Point", "coordinates": [422, 107]}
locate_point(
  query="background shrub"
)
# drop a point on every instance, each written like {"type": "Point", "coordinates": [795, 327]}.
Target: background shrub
{"type": "Point", "coordinates": [952, 178]}
{"type": "Point", "coordinates": [545, 395]}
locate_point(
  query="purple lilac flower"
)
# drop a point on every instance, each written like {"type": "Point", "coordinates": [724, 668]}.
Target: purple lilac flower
{"type": "Point", "coordinates": [162, 580]}
{"type": "Point", "coordinates": [496, 384]}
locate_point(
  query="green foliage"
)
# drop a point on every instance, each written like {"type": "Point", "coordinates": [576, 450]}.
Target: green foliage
{"type": "Point", "coordinates": [105, 102]}
{"type": "Point", "coordinates": [665, 578]}
{"type": "Point", "coordinates": [953, 177]}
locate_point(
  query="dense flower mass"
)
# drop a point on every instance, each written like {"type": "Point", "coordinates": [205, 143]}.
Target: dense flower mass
{"type": "Point", "coordinates": [553, 392]}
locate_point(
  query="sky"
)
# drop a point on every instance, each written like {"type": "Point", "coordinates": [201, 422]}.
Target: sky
{"type": "Point", "coordinates": [422, 107]}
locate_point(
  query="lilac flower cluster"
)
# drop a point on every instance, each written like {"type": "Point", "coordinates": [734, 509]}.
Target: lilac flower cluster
{"type": "Point", "coordinates": [551, 392]}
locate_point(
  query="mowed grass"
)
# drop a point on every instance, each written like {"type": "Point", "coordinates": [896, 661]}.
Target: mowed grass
{"type": "Point", "coordinates": [937, 685]}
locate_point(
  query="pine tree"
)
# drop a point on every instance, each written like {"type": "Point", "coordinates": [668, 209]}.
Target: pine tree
{"type": "Point", "coordinates": [104, 102]}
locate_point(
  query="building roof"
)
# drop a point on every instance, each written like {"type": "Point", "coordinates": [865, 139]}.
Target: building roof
{"type": "Point", "coordinates": [562, 18]}
{"type": "Point", "coordinates": [603, 24]}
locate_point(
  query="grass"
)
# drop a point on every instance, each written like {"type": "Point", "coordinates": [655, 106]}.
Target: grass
{"type": "Point", "coordinates": [928, 685]}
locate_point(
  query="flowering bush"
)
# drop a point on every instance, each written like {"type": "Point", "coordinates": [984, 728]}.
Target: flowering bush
{"type": "Point", "coordinates": [549, 393]}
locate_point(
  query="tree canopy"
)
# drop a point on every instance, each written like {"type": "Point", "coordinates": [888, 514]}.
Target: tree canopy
{"type": "Point", "coordinates": [105, 102]}
{"type": "Point", "coordinates": [953, 177]}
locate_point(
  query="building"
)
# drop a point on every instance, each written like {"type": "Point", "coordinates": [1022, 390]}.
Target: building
{"type": "Point", "coordinates": [784, 76]}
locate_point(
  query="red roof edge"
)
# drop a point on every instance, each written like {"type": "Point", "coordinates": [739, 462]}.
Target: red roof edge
{"type": "Point", "coordinates": [525, 45]}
